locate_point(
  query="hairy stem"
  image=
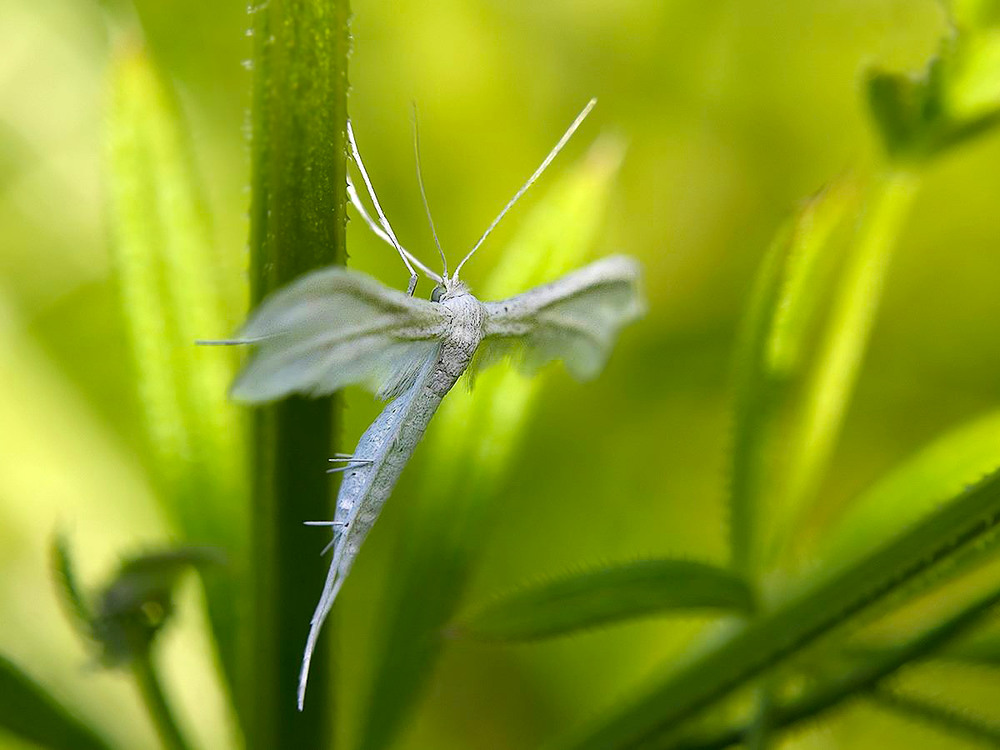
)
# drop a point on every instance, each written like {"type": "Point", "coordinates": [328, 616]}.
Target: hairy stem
{"type": "Point", "coordinates": [297, 220]}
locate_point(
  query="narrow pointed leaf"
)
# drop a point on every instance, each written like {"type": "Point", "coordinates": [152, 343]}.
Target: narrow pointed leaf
{"type": "Point", "coordinates": [777, 324]}
{"type": "Point", "coordinates": [64, 572]}
{"type": "Point", "coordinates": [946, 466]}
{"type": "Point", "coordinates": [165, 269]}
{"type": "Point", "coordinates": [808, 262]}
{"type": "Point", "coordinates": [830, 382]}
{"type": "Point", "coordinates": [962, 527]}
{"type": "Point", "coordinates": [609, 595]}
{"type": "Point", "coordinates": [29, 712]}
{"type": "Point", "coordinates": [470, 444]}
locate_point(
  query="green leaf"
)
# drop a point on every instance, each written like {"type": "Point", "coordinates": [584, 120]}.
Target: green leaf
{"type": "Point", "coordinates": [915, 488]}
{"type": "Point", "coordinates": [64, 572]}
{"type": "Point", "coordinates": [777, 325]}
{"type": "Point", "coordinates": [29, 712]}
{"type": "Point", "coordinates": [809, 260]}
{"type": "Point", "coordinates": [606, 596]}
{"type": "Point", "coordinates": [297, 224]}
{"type": "Point", "coordinates": [833, 372]}
{"type": "Point", "coordinates": [853, 682]}
{"type": "Point", "coordinates": [165, 269]}
{"type": "Point", "coordinates": [962, 527]}
{"type": "Point", "coordinates": [470, 445]}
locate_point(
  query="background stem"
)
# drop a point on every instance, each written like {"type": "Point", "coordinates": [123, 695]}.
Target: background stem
{"type": "Point", "coordinates": [297, 224]}
{"type": "Point", "coordinates": [156, 702]}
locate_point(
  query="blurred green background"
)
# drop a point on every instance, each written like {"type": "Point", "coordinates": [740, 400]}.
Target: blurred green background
{"type": "Point", "coordinates": [731, 112]}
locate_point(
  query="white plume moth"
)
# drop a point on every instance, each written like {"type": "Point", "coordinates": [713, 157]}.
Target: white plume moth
{"type": "Point", "coordinates": [334, 327]}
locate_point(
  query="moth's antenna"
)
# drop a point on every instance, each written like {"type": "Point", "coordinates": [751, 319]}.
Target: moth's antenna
{"type": "Point", "coordinates": [355, 199]}
{"type": "Point", "coordinates": [545, 163]}
{"type": "Point", "coordinates": [378, 208]}
{"type": "Point", "coordinates": [423, 193]}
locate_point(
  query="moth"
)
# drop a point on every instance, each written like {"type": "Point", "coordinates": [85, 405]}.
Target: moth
{"type": "Point", "coordinates": [335, 327]}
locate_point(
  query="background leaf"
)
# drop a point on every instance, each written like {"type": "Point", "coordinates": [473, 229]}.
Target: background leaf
{"type": "Point", "coordinates": [834, 370]}
{"type": "Point", "coordinates": [784, 303]}
{"type": "Point", "coordinates": [72, 597]}
{"type": "Point", "coordinates": [952, 462]}
{"type": "Point", "coordinates": [30, 713]}
{"type": "Point", "coordinates": [165, 269]}
{"type": "Point", "coordinates": [607, 595]}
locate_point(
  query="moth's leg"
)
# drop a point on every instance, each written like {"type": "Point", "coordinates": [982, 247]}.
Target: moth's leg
{"type": "Point", "coordinates": [383, 221]}
{"type": "Point", "coordinates": [352, 193]}
{"type": "Point", "coordinates": [352, 463]}
{"type": "Point", "coordinates": [338, 526]}
{"type": "Point", "coordinates": [413, 284]}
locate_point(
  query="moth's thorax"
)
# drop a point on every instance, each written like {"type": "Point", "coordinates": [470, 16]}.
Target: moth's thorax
{"type": "Point", "coordinates": [467, 318]}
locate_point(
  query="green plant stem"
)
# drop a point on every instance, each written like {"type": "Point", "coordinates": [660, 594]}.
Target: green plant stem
{"type": "Point", "coordinates": [148, 682]}
{"type": "Point", "coordinates": [857, 682]}
{"type": "Point", "coordinates": [297, 223]}
{"type": "Point", "coordinates": [854, 307]}
{"type": "Point", "coordinates": [944, 718]}
{"type": "Point", "coordinates": [963, 526]}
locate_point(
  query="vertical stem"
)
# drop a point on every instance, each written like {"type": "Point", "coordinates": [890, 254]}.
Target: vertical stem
{"type": "Point", "coordinates": [156, 702]}
{"type": "Point", "coordinates": [297, 224]}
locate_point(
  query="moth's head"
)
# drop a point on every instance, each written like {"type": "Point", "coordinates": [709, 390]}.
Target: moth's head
{"type": "Point", "coordinates": [449, 288]}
